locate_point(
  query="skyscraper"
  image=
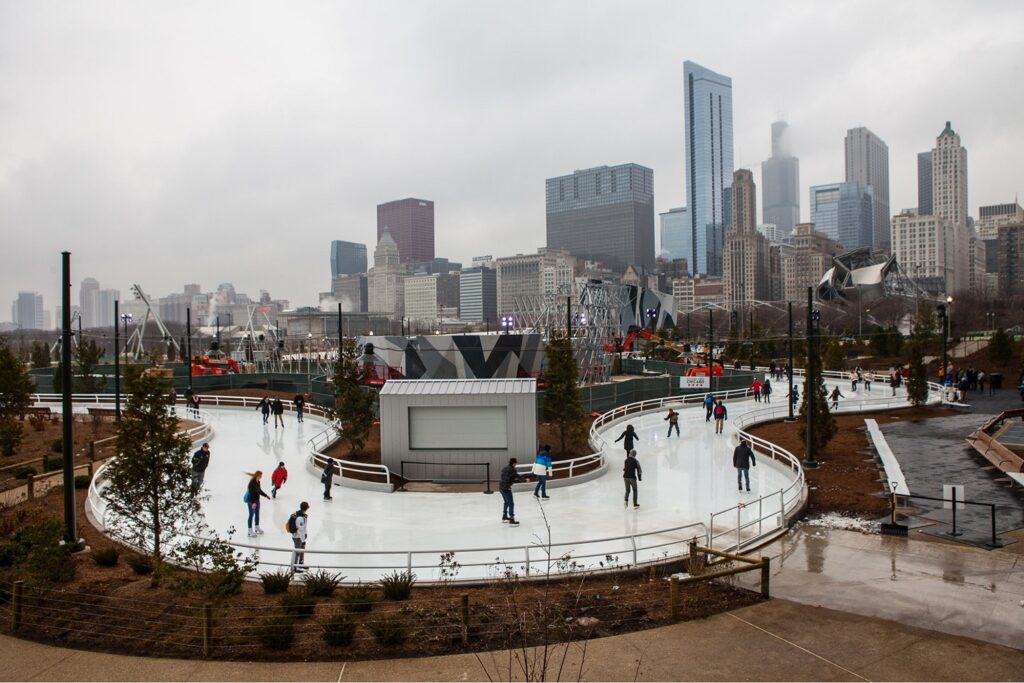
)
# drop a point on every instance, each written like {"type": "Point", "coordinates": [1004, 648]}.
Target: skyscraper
{"type": "Point", "coordinates": [745, 252]}
{"type": "Point", "coordinates": [603, 214]}
{"type": "Point", "coordinates": [347, 258]}
{"type": "Point", "coordinates": [88, 302]}
{"type": "Point", "coordinates": [709, 164]}
{"type": "Point", "coordinates": [27, 311]}
{"type": "Point", "coordinates": [676, 234]}
{"type": "Point", "coordinates": [949, 199]}
{"type": "Point", "coordinates": [867, 164]}
{"type": "Point", "coordinates": [844, 213]}
{"type": "Point", "coordinates": [924, 183]}
{"type": "Point", "coordinates": [411, 224]}
{"type": "Point", "coordinates": [478, 295]}
{"type": "Point", "coordinates": [780, 183]}
{"type": "Point", "coordinates": [105, 299]}
{"type": "Point", "coordinates": [386, 280]}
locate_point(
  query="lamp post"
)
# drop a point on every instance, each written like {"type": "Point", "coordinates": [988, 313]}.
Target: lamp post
{"type": "Point", "coordinates": [125, 319]}
{"type": "Point", "coordinates": [507, 321]}
{"type": "Point", "coordinates": [811, 388]}
{"type": "Point", "coordinates": [117, 369]}
{"type": "Point", "coordinates": [789, 366]}
{"type": "Point", "coordinates": [945, 311]}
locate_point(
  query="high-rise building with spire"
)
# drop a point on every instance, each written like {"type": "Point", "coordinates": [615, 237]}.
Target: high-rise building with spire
{"type": "Point", "coordinates": [780, 183]}
{"type": "Point", "coordinates": [745, 252]}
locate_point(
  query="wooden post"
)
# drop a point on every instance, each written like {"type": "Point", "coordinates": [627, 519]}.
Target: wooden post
{"type": "Point", "coordinates": [30, 483]}
{"type": "Point", "coordinates": [89, 468]}
{"type": "Point", "coordinates": [673, 598]}
{"type": "Point", "coordinates": [696, 563]}
{"type": "Point", "coordinates": [465, 619]}
{"type": "Point", "coordinates": [207, 628]}
{"type": "Point", "coordinates": [766, 573]}
{"type": "Point", "coordinates": [17, 597]}
{"type": "Point", "coordinates": [92, 451]}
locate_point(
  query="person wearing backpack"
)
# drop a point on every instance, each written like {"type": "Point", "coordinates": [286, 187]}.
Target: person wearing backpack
{"type": "Point", "coordinates": [709, 406]}
{"type": "Point", "coordinates": [327, 478]}
{"type": "Point", "coordinates": [673, 422]}
{"type": "Point", "coordinates": [298, 528]}
{"type": "Point", "coordinates": [277, 479]}
{"type": "Point", "coordinates": [721, 415]}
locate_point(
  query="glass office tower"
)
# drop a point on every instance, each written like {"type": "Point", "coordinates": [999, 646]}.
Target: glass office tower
{"type": "Point", "coordinates": [843, 211]}
{"type": "Point", "coordinates": [709, 163]}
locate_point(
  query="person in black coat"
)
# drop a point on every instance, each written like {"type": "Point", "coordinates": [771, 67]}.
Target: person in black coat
{"type": "Point", "coordinates": [628, 437]}
{"type": "Point", "coordinates": [300, 406]}
{"type": "Point", "coordinates": [277, 408]}
{"type": "Point", "coordinates": [743, 460]}
{"type": "Point", "coordinates": [327, 478]}
{"type": "Point", "coordinates": [252, 501]}
{"type": "Point", "coordinates": [631, 474]}
{"type": "Point", "coordinates": [264, 407]}
{"type": "Point", "coordinates": [509, 475]}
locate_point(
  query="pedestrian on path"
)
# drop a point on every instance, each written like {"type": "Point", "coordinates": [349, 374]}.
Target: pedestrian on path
{"type": "Point", "coordinates": [298, 526]}
{"type": "Point", "coordinates": [277, 408]}
{"type": "Point", "coordinates": [766, 390]}
{"type": "Point", "coordinates": [834, 397]}
{"type": "Point", "coordinates": [631, 474]}
{"type": "Point", "coordinates": [755, 388]}
{"type": "Point", "coordinates": [264, 407]}
{"type": "Point", "coordinates": [721, 415]}
{"type": "Point", "coordinates": [300, 406]}
{"type": "Point", "coordinates": [542, 470]}
{"type": "Point", "coordinates": [509, 476]}
{"type": "Point", "coordinates": [673, 422]}
{"type": "Point", "coordinates": [277, 478]}
{"type": "Point", "coordinates": [628, 437]}
{"type": "Point", "coordinates": [709, 406]}
{"type": "Point", "coordinates": [252, 501]}
{"type": "Point", "coordinates": [743, 460]}
{"type": "Point", "coordinates": [327, 477]}
{"type": "Point", "coordinates": [200, 461]}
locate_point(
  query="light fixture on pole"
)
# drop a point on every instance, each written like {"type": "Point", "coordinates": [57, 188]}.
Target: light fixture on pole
{"type": "Point", "coordinates": [507, 322]}
{"type": "Point", "coordinates": [125, 319]}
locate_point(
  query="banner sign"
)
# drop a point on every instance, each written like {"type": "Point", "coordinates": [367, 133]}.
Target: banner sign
{"type": "Point", "coordinates": [696, 382]}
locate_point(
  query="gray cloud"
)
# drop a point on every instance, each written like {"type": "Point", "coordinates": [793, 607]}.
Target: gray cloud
{"type": "Point", "coordinates": [196, 142]}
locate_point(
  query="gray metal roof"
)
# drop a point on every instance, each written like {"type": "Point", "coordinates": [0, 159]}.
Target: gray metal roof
{"type": "Point", "coordinates": [458, 386]}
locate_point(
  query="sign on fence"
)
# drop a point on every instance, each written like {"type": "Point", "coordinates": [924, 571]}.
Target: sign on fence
{"type": "Point", "coordinates": [696, 382]}
{"type": "Point", "coordinates": [950, 493]}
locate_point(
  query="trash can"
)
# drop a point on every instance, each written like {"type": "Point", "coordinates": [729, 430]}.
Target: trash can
{"type": "Point", "coordinates": [996, 380]}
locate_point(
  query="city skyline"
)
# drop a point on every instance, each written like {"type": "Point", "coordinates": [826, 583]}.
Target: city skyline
{"type": "Point", "coordinates": [273, 153]}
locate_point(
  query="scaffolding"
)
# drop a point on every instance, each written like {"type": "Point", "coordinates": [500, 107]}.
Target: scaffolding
{"type": "Point", "coordinates": [135, 339]}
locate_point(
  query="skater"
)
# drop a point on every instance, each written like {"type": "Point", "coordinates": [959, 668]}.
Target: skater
{"type": "Point", "coordinates": [509, 476]}
{"type": "Point", "coordinates": [173, 398]}
{"type": "Point", "coordinates": [300, 406]}
{"type": "Point", "coordinates": [794, 397]}
{"type": "Point", "coordinates": [834, 397]}
{"type": "Point", "coordinates": [542, 470]}
{"type": "Point", "coordinates": [252, 501]}
{"type": "Point", "coordinates": [755, 388]}
{"type": "Point", "coordinates": [264, 407]}
{"type": "Point", "coordinates": [869, 377]}
{"type": "Point", "coordinates": [709, 406]}
{"type": "Point", "coordinates": [631, 474]}
{"type": "Point", "coordinates": [327, 478]}
{"type": "Point", "coordinates": [981, 381]}
{"type": "Point", "coordinates": [673, 422]}
{"type": "Point", "coordinates": [721, 415]}
{"type": "Point", "coordinates": [277, 479]}
{"type": "Point", "coordinates": [894, 381]}
{"type": "Point", "coordinates": [200, 461]}
{"type": "Point", "coordinates": [193, 404]}
{"type": "Point", "coordinates": [277, 408]}
{"type": "Point", "coordinates": [766, 390]}
{"type": "Point", "coordinates": [743, 460]}
{"type": "Point", "coordinates": [628, 437]}
{"type": "Point", "coordinates": [853, 381]}
{"type": "Point", "coordinates": [298, 528]}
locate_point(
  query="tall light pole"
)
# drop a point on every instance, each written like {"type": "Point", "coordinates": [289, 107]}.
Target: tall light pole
{"type": "Point", "coordinates": [811, 387]}
{"type": "Point", "coordinates": [125, 319]}
{"type": "Point", "coordinates": [789, 367]}
{"type": "Point", "coordinates": [117, 369]}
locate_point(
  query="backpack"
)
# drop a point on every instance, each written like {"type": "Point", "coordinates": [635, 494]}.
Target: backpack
{"type": "Point", "coordinates": [290, 526]}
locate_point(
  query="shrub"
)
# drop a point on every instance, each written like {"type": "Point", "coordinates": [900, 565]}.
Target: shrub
{"type": "Point", "coordinates": [276, 632]}
{"type": "Point", "coordinates": [216, 569]}
{"type": "Point", "coordinates": [388, 630]}
{"type": "Point", "coordinates": [298, 605]}
{"type": "Point", "coordinates": [338, 630]}
{"type": "Point", "coordinates": [322, 583]}
{"type": "Point", "coordinates": [53, 464]}
{"type": "Point", "coordinates": [140, 564]}
{"type": "Point", "coordinates": [358, 598]}
{"type": "Point", "coordinates": [51, 563]}
{"type": "Point", "coordinates": [82, 481]}
{"type": "Point", "coordinates": [397, 585]}
{"type": "Point", "coordinates": [106, 557]}
{"type": "Point", "coordinates": [11, 553]}
{"type": "Point", "coordinates": [24, 472]}
{"type": "Point", "coordinates": [38, 422]}
{"type": "Point", "coordinates": [276, 582]}
{"type": "Point", "coordinates": [223, 583]}
{"type": "Point", "coordinates": [57, 445]}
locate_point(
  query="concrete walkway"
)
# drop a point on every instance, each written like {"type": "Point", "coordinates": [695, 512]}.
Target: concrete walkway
{"type": "Point", "coordinates": [955, 589]}
{"type": "Point", "coordinates": [773, 641]}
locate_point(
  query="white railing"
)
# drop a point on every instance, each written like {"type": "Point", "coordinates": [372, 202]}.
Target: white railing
{"type": "Point", "coordinates": [328, 438]}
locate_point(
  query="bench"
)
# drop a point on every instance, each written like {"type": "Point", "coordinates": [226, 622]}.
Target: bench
{"type": "Point", "coordinates": [102, 413]}
{"type": "Point", "coordinates": [36, 411]}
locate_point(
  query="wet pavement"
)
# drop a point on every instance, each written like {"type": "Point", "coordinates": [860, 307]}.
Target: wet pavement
{"type": "Point", "coordinates": [954, 589]}
{"type": "Point", "coordinates": [933, 453]}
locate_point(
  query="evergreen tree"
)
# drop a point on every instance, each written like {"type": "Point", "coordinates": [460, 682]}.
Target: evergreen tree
{"type": "Point", "coordinates": [354, 402]}
{"type": "Point", "coordinates": [831, 353]}
{"type": "Point", "coordinates": [563, 401]}
{"type": "Point", "coordinates": [917, 376]}
{"type": "Point", "coordinates": [1000, 347]}
{"type": "Point", "coordinates": [87, 358]}
{"type": "Point", "coordinates": [924, 328]}
{"type": "Point", "coordinates": [15, 395]}
{"type": "Point", "coordinates": [40, 355]}
{"type": "Point", "coordinates": [815, 399]}
{"type": "Point", "coordinates": [149, 492]}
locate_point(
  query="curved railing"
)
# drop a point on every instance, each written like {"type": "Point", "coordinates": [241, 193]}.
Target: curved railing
{"type": "Point", "coordinates": [328, 438]}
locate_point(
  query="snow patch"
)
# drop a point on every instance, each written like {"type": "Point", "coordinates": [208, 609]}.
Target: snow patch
{"type": "Point", "coordinates": [835, 520]}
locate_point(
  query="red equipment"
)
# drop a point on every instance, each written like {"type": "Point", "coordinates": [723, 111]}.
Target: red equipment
{"type": "Point", "coordinates": [205, 365]}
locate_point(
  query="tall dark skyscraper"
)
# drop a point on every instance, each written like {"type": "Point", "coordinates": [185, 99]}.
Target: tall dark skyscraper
{"type": "Point", "coordinates": [924, 184]}
{"type": "Point", "coordinates": [603, 214]}
{"type": "Point", "coordinates": [867, 164]}
{"type": "Point", "coordinates": [780, 183]}
{"type": "Point", "coordinates": [709, 164]}
{"type": "Point", "coordinates": [411, 224]}
{"type": "Point", "coordinates": [347, 258]}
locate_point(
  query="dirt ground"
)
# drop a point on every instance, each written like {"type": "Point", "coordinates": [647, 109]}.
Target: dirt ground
{"type": "Point", "coordinates": [848, 480]}
{"type": "Point", "coordinates": [101, 603]}
{"type": "Point", "coordinates": [38, 441]}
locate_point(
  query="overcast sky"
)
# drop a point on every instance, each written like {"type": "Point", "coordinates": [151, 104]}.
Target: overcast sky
{"type": "Point", "coordinates": [166, 143]}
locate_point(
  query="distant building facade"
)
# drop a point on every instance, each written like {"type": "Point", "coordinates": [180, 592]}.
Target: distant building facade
{"type": "Point", "coordinates": [926, 249]}
{"type": "Point", "coordinates": [526, 277]}
{"type": "Point", "coordinates": [676, 234]}
{"type": "Point", "coordinates": [347, 258]}
{"type": "Point", "coordinates": [1011, 260]}
{"type": "Point", "coordinates": [843, 211]}
{"type": "Point", "coordinates": [867, 164]}
{"type": "Point", "coordinates": [478, 294]}
{"type": "Point", "coordinates": [27, 311]}
{"type": "Point", "coordinates": [924, 184]}
{"type": "Point", "coordinates": [745, 252]}
{"type": "Point", "coordinates": [410, 223]}
{"type": "Point", "coordinates": [780, 183]}
{"type": "Point", "coordinates": [351, 291]}
{"type": "Point", "coordinates": [386, 280]}
{"type": "Point", "coordinates": [808, 258]}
